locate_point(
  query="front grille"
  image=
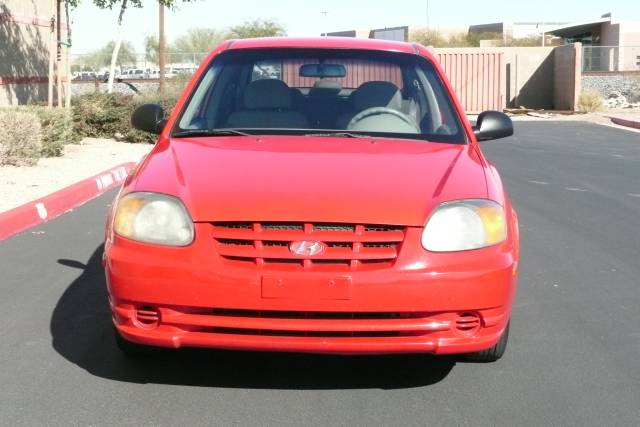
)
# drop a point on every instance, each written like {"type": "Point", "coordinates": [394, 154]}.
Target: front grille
{"type": "Point", "coordinates": [318, 334]}
{"type": "Point", "coordinates": [348, 246]}
{"type": "Point", "coordinates": [343, 315]}
{"type": "Point", "coordinates": [305, 323]}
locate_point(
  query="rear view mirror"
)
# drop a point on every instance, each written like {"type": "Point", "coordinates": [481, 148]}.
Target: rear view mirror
{"type": "Point", "coordinates": [493, 125]}
{"type": "Point", "coordinates": [149, 118]}
{"type": "Point", "coordinates": [323, 70]}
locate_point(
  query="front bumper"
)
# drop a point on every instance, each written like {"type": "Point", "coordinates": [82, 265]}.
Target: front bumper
{"type": "Point", "coordinates": [425, 303]}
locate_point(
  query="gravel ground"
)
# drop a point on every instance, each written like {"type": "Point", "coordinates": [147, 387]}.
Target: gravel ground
{"type": "Point", "coordinates": [19, 185]}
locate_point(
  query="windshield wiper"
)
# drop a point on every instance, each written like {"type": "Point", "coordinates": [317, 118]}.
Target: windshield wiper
{"type": "Point", "coordinates": [338, 135]}
{"type": "Point", "coordinates": [209, 132]}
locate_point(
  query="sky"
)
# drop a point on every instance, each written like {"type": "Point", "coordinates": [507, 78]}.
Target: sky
{"type": "Point", "coordinates": [93, 28]}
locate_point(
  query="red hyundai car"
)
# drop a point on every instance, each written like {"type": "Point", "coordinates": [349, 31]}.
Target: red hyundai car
{"type": "Point", "coordinates": [315, 195]}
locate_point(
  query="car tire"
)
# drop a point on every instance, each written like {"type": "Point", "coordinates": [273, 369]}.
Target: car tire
{"type": "Point", "coordinates": [493, 353]}
{"type": "Point", "coordinates": [131, 349]}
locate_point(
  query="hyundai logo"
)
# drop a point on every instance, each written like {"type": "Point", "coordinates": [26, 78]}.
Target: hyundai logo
{"type": "Point", "coordinates": [307, 247]}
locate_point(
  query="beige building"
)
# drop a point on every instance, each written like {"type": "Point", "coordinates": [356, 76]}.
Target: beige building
{"type": "Point", "coordinates": [26, 38]}
{"type": "Point", "coordinates": [609, 45]}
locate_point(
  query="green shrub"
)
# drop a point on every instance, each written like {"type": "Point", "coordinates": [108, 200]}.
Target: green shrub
{"type": "Point", "coordinates": [590, 100]}
{"type": "Point", "coordinates": [20, 138]}
{"type": "Point", "coordinates": [102, 115]}
{"type": "Point", "coordinates": [57, 130]}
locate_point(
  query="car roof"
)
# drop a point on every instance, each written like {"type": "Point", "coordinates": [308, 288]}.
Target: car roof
{"type": "Point", "coordinates": [323, 43]}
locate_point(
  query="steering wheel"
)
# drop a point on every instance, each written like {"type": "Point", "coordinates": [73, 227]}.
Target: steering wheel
{"type": "Point", "coordinates": [378, 111]}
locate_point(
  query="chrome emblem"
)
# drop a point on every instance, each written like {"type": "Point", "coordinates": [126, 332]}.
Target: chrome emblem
{"type": "Point", "coordinates": [307, 247]}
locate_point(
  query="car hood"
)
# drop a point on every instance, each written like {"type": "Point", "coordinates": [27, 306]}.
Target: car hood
{"type": "Point", "coordinates": [313, 179]}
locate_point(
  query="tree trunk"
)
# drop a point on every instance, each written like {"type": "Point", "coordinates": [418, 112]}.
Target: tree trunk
{"type": "Point", "coordinates": [68, 59]}
{"type": "Point", "coordinates": [161, 46]}
{"type": "Point", "coordinates": [116, 48]}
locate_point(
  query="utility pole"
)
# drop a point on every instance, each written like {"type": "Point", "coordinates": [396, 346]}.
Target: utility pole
{"type": "Point", "coordinates": [326, 32]}
{"type": "Point", "coordinates": [543, 38]}
{"type": "Point", "coordinates": [161, 45]}
{"type": "Point", "coordinates": [428, 17]}
{"type": "Point", "coordinates": [59, 52]}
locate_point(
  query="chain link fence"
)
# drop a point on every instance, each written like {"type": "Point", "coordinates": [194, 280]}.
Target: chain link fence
{"type": "Point", "coordinates": [610, 58]}
{"type": "Point", "coordinates": [134, 66]}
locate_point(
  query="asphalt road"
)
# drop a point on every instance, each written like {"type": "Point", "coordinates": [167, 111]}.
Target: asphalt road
{"type": "Point", "coordinates": [573, 356]}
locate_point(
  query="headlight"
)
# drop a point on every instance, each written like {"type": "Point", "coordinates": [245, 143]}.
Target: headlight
{"type": "Point", "coordinates": [464, 225]}
{"type": "Point", "coordinates": [153, 218]}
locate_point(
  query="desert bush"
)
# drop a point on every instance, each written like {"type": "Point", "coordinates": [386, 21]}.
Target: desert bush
{"type": "Point", "coordinates": [20, 138]}
{"type": "Point", "coordinates": [56, 128]}
{"type": "Point", "coordinates": [590, 101]}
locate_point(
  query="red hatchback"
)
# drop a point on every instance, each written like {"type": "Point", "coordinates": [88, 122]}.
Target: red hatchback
{"type": "Point", "coordinates": [315, 195]}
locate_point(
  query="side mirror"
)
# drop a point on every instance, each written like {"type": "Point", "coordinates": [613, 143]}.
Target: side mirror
{"type": "Point", "coordinates": [493, 125]}
{"type": "Point", "coordinates": [149, 118]}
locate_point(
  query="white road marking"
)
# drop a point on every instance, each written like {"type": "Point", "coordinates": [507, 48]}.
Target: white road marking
{"type": "Point", "coordinates": [575, 189]}
{"type": "Point", "coordinates": [42, 211]}
{"type": "Point", "coordinates": [119, 174]}
{"type": "Point", "coordinates": [538, 182]}
{"type": "Point", "coordinates": [633, 195]}
{"type": "Point", "coordinates": [107, 180]}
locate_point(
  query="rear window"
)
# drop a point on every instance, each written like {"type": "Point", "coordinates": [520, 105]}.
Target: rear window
{"type": "Point", "coordinates": [306, 91]}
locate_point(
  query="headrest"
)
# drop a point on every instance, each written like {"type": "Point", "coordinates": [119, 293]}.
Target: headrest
{"type": "Point", "coordinates": [377, 94]}
{"type": "Point", "coordinates": [267, 94]}
{"type": "Point", "coordinates": [325, 87]}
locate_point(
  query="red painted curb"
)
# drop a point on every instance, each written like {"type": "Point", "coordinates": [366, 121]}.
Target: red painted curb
{"type": "Point", "coordinates": [635, 124]}
{"type": "Point", "coordinates": [55, 204]}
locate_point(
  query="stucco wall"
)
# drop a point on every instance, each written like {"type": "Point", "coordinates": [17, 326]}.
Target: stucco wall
{"type": "Point", "coordinates": [630, 54]}
{"type": "Point", "coordinates": [567, 72]}
{"type": "Point", "coordinates": [529, 76]}
{"type": "Point", "coordinates": [24, 50]}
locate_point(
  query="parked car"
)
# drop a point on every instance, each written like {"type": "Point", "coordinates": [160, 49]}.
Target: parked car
{"type": "Point", "coordinates": [136, 74]}
{"type": "Point", "coordinates": [151, 73]}
{"type": "Point", "coordinates": [84, 75]}
{"type": "Point", "coordinates": [170, 73]}
{"type": "Point", "coordinates": [339, 203]}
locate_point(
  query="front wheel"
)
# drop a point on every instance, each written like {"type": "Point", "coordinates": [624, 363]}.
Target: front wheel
{"type": "Point", "coordinates": [491, 354]}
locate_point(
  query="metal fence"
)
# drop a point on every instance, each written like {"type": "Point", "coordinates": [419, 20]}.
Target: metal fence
{"type": "Point", "coordinates": [100, 62]}
{"type": "Point", "coordinates": [610, 58]}
{"type": "Point", "coordinates": [477, 75]}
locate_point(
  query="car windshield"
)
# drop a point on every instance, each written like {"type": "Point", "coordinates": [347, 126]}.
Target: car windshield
{"type": "Point", "coordinates": [321, 92]}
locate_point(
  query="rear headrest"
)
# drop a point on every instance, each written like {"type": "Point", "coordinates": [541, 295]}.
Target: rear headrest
{"type": "Point", "coordinates": [267, 94]}
{"type": "Point", "coordinates": [377, 94]}
{"type": "Point", "coordinates": [325, 87]}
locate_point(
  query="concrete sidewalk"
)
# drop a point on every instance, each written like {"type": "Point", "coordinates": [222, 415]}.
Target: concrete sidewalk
{"type": "Point", "coordinates": [19, 185]}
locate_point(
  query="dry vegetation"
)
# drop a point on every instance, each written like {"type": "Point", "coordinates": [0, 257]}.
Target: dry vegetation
{"type": "Point", "coordinates": [20, 138]}
{"type": "Point", "coordinates": [436, 39]}
{"type": "Point", "coordinates": [590, 101]}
